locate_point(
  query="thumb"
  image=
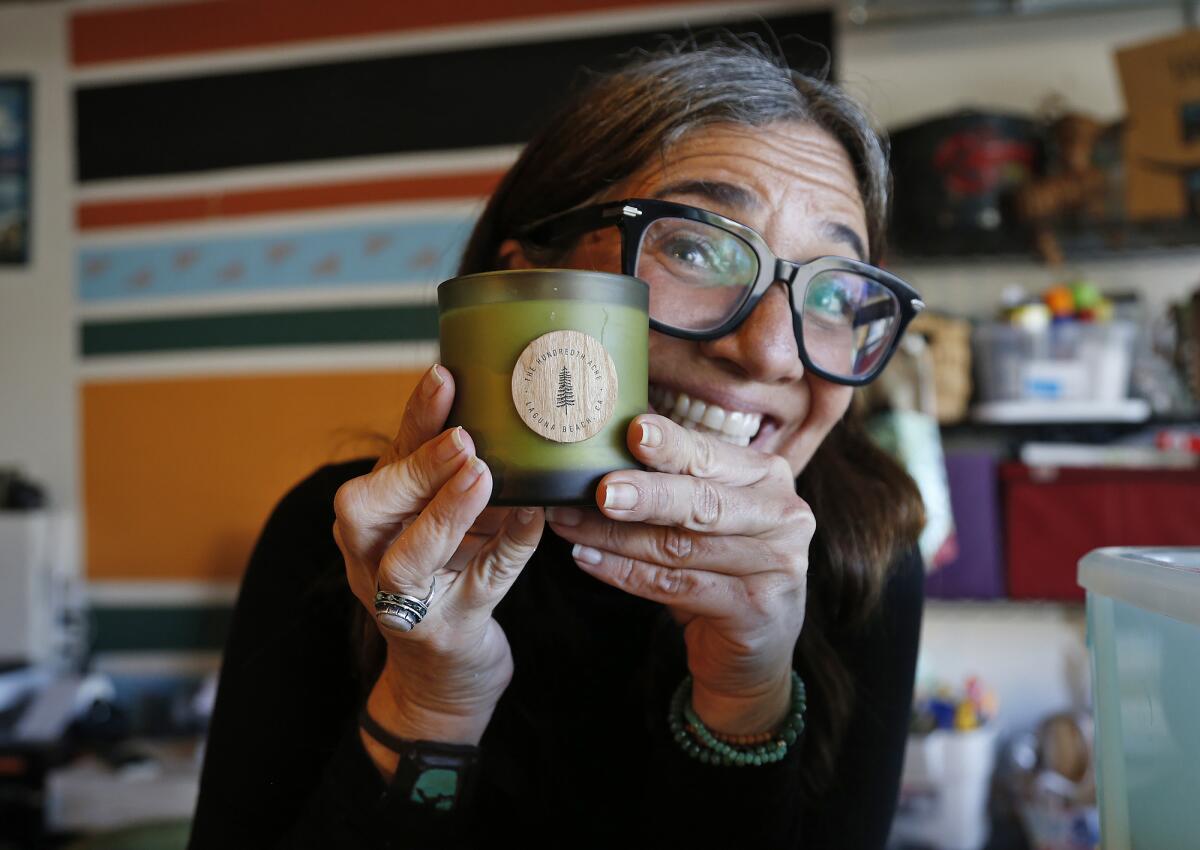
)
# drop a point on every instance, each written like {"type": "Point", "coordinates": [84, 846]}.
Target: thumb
{"type": "Point", "coordinates": [497, 564]}
{"type": "Point", "coordinates": [425, 414]}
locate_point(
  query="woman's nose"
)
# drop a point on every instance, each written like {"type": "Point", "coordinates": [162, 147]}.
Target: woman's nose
{"type": "Point", "coordinates": [764, 346]}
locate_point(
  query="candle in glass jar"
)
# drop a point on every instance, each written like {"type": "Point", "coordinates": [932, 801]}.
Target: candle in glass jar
{"type": "Point", "coordinates": [550, 367]}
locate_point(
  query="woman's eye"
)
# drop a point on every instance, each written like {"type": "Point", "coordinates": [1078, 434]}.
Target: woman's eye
{"type": "Point", "coordinates": [693, 252]}
{"type": "Point", "coordinates": [706, 261]}
{"type": "Point", "coordinates": [829, 300]}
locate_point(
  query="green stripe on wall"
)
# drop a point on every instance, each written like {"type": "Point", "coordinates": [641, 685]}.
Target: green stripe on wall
{"type": "Point", "coordinates": [200, 627]}
{"type": "Point", "coordinates": [246, 330]}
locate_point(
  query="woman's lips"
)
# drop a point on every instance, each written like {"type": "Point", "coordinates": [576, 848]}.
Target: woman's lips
{"type": "Point", "coordinates": [765, 432]}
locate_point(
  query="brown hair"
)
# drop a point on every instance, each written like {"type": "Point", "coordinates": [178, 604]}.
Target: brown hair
{"type": "Point", "coordinates": [868, 509]}
{"type": "Point", "coordinates": [613, 126]}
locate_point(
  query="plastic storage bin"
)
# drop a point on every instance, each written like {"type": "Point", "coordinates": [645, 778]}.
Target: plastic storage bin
{"type": "Point", "coordinates": [1069, 361]}
{"type": "Point", "coordinates": [1143, 611]}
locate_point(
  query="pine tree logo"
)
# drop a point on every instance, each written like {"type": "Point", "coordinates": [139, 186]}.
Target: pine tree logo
{"type": "Point", "coordinates": [566, 393]}
{"type": "Point", "coordinates": [564, 386]}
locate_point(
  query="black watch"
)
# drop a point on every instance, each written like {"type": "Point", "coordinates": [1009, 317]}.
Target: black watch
{"type": "Point", "coordinates": [430, 775]}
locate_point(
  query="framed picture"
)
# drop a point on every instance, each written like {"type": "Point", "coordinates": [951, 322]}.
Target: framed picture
{"type": "Point", "coordinates": [16, 185]}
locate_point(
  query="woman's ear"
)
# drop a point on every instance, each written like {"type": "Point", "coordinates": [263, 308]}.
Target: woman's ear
{"type": "Point", "coordinates": [512, 255]}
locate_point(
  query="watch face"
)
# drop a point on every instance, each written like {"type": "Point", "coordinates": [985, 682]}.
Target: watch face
{"type": "Point", "coordinates": [435, 787]}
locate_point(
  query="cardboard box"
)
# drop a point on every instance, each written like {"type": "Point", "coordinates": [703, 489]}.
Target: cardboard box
{"type": "Point", "coordinates": [1161, 83]}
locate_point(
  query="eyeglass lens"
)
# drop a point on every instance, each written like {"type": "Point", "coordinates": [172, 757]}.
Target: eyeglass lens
{"type": "Point", "coordinates": [848, 322]}
{"type": "Point", "coordinates": [700, 274]}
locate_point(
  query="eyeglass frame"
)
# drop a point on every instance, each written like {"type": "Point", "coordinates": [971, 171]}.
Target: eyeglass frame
{"type": "Point", "coordinates": [633, 216]}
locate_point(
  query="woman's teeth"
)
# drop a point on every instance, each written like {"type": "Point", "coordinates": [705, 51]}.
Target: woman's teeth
{"type": "Point", "coordinates": [732, 426]}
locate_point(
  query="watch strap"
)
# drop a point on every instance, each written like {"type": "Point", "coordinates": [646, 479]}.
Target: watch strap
{"type": "Point", "coordinates": [431, 775]}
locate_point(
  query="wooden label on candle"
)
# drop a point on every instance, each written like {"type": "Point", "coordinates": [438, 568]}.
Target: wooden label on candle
{"type": "Point", "coordinates": [565, 386]}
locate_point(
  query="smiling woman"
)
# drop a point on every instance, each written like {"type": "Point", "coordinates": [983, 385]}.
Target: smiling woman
{"type": "Point", "coordinates": [723, 649]}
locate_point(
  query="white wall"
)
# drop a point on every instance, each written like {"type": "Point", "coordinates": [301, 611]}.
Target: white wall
{"type": "Point", "coordinates": [905, 74]}
{"type": "Point", "coordinates": [973, 288]}
{"type": "Point", "coordinates": [1033, 655]}
{"type": "Point", "coordinates": [38, 414]}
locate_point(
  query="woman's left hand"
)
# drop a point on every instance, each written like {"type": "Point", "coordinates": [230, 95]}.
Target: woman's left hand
{"type": "Point", "coordinates": [716, 533]}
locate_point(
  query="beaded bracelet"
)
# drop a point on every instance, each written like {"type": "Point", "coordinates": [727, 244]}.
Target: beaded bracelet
{"type": "Point", "coordinates": [695, 739]}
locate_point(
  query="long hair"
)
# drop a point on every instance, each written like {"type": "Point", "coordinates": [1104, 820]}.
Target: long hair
{"type": "Point", "coordinates": [868, 510]}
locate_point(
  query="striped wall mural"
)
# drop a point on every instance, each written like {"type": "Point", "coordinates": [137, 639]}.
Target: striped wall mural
{"type": "Point", "coordinates": [266, 197]}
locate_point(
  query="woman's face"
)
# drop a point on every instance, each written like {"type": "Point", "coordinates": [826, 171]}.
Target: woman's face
{"type": "Point", "coordinates": [794, 184]}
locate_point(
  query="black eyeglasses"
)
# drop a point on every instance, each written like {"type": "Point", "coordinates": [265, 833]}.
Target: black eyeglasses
{"type": "Point", "coordinates": [707, 273]}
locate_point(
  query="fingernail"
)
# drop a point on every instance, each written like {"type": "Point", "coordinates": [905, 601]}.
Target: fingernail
{"type": "Point", "coordinates": [651, 435]}
{"type": "Point", "coordinates": [433, 381]}
{"type": "Point", "coordinates": [525, 515]}
{"type": "Point", "coordinates": [586, 554]}
{"type": "Point", "coordinates": [620, 496]}
{"type": "Point", "coordinates": [564, 516]}
{"type": "Point", "coordinates": [469, 474]}
{"type": "Point", "coordinates": [452, 445]}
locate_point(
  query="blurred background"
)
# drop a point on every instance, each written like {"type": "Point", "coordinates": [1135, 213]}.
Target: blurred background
{"type": "Point", "coordinates": [221, 226]}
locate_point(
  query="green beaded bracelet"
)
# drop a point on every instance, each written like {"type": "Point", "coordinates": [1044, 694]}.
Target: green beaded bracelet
{"type": "Point", "coordinates": [703, 746]}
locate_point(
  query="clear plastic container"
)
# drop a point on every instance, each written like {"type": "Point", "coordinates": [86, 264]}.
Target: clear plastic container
{"type": "Point", "coordinates": [1069, 361]}
{"type": "Point", "coordinates": [1143, 610]}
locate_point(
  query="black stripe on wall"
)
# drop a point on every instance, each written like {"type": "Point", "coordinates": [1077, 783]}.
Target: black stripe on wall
{"type": "Point", "coordinates": [416, 102]}
{"type": "Point", "coordinates": [246, 330]}
{"type": "Point", "coordinates": [127, 629]}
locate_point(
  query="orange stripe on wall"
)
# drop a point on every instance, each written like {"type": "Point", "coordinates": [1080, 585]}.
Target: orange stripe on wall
{"type": "Point", "coordinates": [172, 29]}
{"type": "Point", "coordinates": [181, 474]}
{"type": "Point", "coordinates": [96, 215]}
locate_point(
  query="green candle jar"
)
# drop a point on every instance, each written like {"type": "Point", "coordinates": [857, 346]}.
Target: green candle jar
{"type": "Point", "coordinates": [550, 367]}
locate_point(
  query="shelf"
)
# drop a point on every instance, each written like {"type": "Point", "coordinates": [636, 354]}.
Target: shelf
{"type": "Point", "coordinates": [1035, 412]}
{"type": "Point", "coordinates": [1008, 437]}
{"type": "Point", "coordinates": [1090, 456]}
{"type": "Point", "coordinates": [1112, 240]}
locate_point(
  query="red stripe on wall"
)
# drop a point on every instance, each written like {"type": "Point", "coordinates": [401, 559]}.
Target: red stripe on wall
{"type": "Point", "coordinates": [173, 29]}
{"type": "Point", "coordinates": [97, 215]}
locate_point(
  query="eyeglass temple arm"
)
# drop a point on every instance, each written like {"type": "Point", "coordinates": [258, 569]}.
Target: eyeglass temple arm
{"type": "Point", "coordinates": [575, 222]}
{"type": "Point", "coordinates": [883, 309]}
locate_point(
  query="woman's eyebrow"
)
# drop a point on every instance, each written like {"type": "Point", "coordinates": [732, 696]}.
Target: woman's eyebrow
{"type": "Point", "coordinates": [739, 198]}
{"type": "Point", "coordinates": [842, 233]}
{"type": "Point", "coordinates": [728, 195]}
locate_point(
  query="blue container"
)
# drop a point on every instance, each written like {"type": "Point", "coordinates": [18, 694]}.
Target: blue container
{"type": "Point", "coordinates": [1143, 611]}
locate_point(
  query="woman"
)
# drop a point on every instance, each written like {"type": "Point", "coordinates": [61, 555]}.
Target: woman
{"type": "Point", "coordinates": [554, 688]}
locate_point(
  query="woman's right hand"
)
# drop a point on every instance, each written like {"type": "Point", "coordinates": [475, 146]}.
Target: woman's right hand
{"type": "Point", "coordinates": [422, 515]}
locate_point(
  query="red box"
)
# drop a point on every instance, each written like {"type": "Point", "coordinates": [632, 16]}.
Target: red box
{"type": "Point", "coordinates": [1053, 517]}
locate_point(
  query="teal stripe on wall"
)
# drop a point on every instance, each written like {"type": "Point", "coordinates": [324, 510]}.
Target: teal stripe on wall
{"type": "Point", "coordinates": [246, 330]}
{"type": "Point", "coordinates": [200, 627]}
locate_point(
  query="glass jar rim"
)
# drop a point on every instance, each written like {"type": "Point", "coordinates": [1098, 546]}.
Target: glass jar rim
{"type": "Point", "coordinates": [510, 285]}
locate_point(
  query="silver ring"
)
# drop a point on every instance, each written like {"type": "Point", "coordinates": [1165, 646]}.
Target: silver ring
{"type": "Point", "coordinates": [399, 611]}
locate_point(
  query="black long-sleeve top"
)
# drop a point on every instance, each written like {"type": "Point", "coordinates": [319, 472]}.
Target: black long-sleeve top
{"type": "Point", "coordinates": [577, 753]}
